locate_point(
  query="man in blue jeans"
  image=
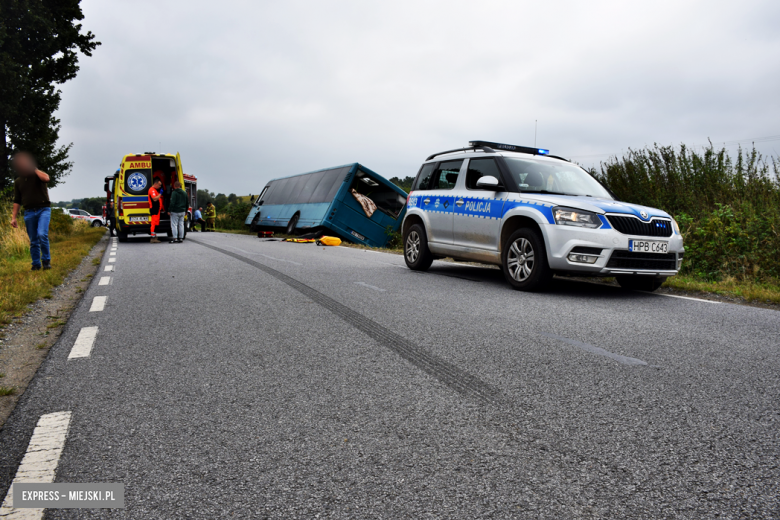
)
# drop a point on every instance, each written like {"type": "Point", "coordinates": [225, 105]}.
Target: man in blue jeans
{"type": "Point", "coordinates": [30, 192]}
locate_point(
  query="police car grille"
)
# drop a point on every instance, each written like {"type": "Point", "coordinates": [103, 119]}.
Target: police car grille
{"type": "Point", "coordinates": [634, 226]}
{"type": "Point", "coordinates": [631, 260]}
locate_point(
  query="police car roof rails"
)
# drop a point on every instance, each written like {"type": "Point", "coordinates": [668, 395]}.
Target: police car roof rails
{"type": "Point", "coordinates": [484, 148]}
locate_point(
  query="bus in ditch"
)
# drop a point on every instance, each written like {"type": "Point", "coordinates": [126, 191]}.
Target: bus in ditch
{"type": "Point", "coordinates": [350, 201]}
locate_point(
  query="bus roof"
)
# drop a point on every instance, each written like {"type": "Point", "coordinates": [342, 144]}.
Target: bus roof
{"type": "Point", "coordinates": [351, 167]}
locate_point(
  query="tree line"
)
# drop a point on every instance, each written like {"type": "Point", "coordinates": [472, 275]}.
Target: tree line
{"type": "Point", "coordinates": [40, 42]}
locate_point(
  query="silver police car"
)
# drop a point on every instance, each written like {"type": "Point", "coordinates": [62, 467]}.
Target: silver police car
{"type": "Point", "coordinates": [535, 215]}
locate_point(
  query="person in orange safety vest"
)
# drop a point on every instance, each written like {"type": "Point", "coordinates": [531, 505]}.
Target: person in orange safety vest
{"type": "Point", "coordinates": [155, 204]}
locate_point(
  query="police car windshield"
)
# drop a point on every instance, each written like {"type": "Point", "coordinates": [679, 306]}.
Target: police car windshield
{"type": "Point", "coordinates": [555, 177]}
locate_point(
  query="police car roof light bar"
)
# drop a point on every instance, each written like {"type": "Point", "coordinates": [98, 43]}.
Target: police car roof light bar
{"type": "Point", "coordinates": [510, 147]}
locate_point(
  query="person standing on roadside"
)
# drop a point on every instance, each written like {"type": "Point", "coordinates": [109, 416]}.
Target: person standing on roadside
{"type": "Point", "coordinates": [177, 208]}
{"type": "Point", "coordinates": [211, 217]}
{"type": "Point", "coordinates": [32, 194]}
{"type": "Point", "coordinates": [154, 207]}
{"type": "Point", "coordinates": [198, 219]}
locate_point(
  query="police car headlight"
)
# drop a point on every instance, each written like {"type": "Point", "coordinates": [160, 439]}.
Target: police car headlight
{"type": "Point", "coordinates": [676, 227]}
{"type": "Point", "coordinates": [576, 217]}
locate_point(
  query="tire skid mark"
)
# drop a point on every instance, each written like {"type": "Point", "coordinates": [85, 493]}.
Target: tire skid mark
{"type": "Point", "coordinates": [459, 380]}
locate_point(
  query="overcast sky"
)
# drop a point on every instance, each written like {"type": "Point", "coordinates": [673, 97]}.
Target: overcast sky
{"type": "Point", "coordinates": [247, 91]}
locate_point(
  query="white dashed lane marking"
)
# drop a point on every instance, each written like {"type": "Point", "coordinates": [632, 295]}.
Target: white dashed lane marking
{"type": "Point", "coordinates": [112, 259]}
{"type": "Point", "coordinates": [104, 280]}
{"type": "Point", "coordinates": [84, 342]}
{"type": "Point", "coordinates": [112, 253]}
{"type": "Point", "coordinates": [98, 303]}
{"type": "Point", "coordinates": [109, 268]}
{"type": "Point", "coordinates": [364, 284]}
{"type": "Point", "coordinates": [39, 464]}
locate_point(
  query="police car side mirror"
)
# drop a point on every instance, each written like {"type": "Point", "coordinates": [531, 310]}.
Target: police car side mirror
{"type": "Point", "coordinates": [488, 182]}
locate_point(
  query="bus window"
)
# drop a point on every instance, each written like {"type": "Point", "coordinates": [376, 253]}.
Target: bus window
{"type": "Point", "coordinates": [328, 185]}
{"type": "Point", "coordinates": [307, 187]}
{"type": "Point", "coordinates": [338, 180]}
{"type": "Point", "coordinates": [259, 199]}
{"type": "Point", "coordinates": [385, 198]}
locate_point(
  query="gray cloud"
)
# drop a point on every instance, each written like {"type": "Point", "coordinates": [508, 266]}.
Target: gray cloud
{"type": "Point", "coordinates": [247, 91]}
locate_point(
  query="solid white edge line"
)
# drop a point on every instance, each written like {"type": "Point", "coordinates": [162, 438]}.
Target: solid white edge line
{"type": "Point", "coordinates": [98, 303]}
{"type": "Point", "coordinates": [683, 297]}
{"type": "Point", "coordinates": [82, 347]}
{"type": "Point", "coordinates": [39, 464]}
{"type": "Point", "coordinates": [104, 280]}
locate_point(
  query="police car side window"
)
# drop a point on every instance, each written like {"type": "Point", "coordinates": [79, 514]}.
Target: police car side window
{"type": "Point", "coordinates": [446, 175]}
{"type": "Point", "coordinates": [424, 177]}
{"type": "Point", "coordinates": [481, 168]}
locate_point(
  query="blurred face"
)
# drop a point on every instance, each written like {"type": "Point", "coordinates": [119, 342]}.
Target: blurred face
{"type": "Point", "coordinates": [23, 163]}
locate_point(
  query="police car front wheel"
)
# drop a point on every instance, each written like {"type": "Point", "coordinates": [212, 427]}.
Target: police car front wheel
{"type": "Point", "coordinates": [416, 253]}
{"type": "Point", "coordinates": [524, 261]}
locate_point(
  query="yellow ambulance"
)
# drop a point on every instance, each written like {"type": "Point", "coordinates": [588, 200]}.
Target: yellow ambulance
{"type": "Point", "coordinates": [129, 190]}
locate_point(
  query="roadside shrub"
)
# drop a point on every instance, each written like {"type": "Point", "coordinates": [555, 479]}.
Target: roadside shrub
{"type": "Point", "coordinates": [61, 225]}
{"type": "Point", "coordinates": [726, 207]}
{"type": "Point", "coordinates": [394, 238]}
{"type": "Point", "coordinates": [738, 241]}
{"type": "Point", "coordinates": [233, 216]}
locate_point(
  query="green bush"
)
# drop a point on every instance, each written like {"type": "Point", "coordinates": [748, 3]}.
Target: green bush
{"type": "Point", "coordinates": [233, 216]}
{"type": "Point", "coordinates": [60, 224]}
{"type": "Point", "coordinates": [726, 207]}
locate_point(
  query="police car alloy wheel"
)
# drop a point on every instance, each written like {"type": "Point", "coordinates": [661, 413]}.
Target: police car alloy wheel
{"type": "Point", "coordinates": [416, 253]}
{"type": "Point", "coordinates": [524, 261]}
{"type": "Point", "coordinates": [520, 260]}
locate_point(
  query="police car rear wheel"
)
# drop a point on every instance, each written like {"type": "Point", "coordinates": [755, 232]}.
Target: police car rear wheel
{"type": "Point", "coordinates": [524, 261]}
{"type": "Point", "coordinates": [640, 283]}
{"type": "Point", "coordinates": [416, 253]}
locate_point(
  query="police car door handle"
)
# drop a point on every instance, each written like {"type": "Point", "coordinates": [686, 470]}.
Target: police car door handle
{"type": "Point", "coordinates": [426, 201]}
{"type": "Point", "coordinates": [459, 202]}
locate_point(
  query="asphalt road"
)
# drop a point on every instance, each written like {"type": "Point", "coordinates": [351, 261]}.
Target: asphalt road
{"type": "Point", "coordinates": [233, 377]}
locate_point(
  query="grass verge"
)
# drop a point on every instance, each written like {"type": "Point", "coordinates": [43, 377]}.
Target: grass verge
{"type": "Point", "coordinates": [751, 291]}
{"type": "Point", "coordinates": [19, 286]}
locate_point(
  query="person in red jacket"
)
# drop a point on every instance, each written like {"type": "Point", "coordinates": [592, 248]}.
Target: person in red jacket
{"type": "Point", "coordinates": [155, 204]}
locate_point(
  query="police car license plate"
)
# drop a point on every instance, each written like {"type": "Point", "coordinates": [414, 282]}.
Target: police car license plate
{"type": "Point", "coordinates": [139, 219]}
{"type": "Point", "coordinates": [648, 246]}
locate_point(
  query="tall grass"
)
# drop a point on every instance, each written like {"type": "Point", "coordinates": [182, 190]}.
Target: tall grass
{"type": "Point", "coordinates": [19, 286]}
{"type": "Point", "coordinates": [727, 207]}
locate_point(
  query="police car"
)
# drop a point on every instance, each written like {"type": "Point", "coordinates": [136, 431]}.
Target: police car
{"type": "Point", "coordinates": [535, 215]}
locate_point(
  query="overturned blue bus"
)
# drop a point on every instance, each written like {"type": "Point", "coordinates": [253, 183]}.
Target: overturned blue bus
{"type": "Point", "coordinates": [349, 201]}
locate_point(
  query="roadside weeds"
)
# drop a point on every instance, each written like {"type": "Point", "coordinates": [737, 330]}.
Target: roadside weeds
{"type": "Point", "coordinates": [27, 337]}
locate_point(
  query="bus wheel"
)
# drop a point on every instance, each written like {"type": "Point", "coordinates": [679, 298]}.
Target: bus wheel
{"type": "Point", "coordinates": [122, 236]}
{"type": "Point", "coordinates": [292, 224]}
{"type": "Point", "coordinates": [253, 225]}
